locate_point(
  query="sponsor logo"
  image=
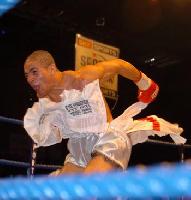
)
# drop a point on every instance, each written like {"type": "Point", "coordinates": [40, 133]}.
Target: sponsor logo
{"type": "Point", "coordinates": [79, 108]}
{"type": "Point", "coordinates": [105, 49]}
{"type": "Point", "coordinates": [84, 43]}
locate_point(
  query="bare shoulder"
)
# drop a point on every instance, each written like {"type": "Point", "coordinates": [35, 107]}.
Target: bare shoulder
{"type": "Point", "coordinates": [70, 75]}
{"type": "Point", "coordinates": [73, 80]}
{"type": "Point", "coordinates": [68, 78]}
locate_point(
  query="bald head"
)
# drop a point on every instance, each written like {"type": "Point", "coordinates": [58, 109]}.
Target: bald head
{"type": "Point", "coordinates": [42, 57]}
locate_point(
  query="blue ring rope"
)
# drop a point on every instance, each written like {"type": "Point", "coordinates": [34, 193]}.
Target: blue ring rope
{"type": "Point", "coordinates": [11, 121]}
{"type": "Point", "coordinates": [4, 162]}
{"type": "Point", "coordinates": [6, 5]}
{"type": "Point", "coordinates": [156, 181]}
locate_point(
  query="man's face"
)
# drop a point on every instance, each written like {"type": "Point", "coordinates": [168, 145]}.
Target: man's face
{"type": "Point", "coordinates": [39, 78]}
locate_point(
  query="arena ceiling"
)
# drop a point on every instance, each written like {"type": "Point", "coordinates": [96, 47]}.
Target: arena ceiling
{"type": "Point", "coordinates": [145, 28]}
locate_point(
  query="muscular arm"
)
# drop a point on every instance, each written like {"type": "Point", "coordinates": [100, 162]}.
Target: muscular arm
{"type": "Point", "coordinates": [148, 89]}
{"type": "Point", "coordinates": [107, 69]}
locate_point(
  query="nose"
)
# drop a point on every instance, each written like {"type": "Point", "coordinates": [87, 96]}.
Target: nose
{"type": "Point", "coordinates": [30, 79]}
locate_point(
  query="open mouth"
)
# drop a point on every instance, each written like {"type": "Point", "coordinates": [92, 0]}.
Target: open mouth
{"type": "Point", "coordinates": [36, 87]}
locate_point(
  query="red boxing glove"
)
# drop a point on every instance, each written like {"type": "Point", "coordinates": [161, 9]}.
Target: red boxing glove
{"type": "Point", "coordinates": [147, 96]}
{"type": "Point", "coordinates": [148, 89]}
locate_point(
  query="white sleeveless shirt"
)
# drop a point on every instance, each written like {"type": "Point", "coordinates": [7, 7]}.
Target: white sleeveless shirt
{"type": "Point", "coordinates": [78, 114]}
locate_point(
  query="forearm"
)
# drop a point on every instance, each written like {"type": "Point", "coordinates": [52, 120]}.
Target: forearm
{"type": "Point", "coordinates": [111, 68]}
{"type": "Point", "coordinates": [148, 89]}
{"type": "Point", "coordinates": [127, 70]}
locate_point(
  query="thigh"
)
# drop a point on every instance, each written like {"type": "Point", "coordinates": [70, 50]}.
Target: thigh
{"type": "Point", "coordinates": [114, 147]}
{"type": "Point", "coordinates": [99, 163]}
{"type": "Point", "coordinates": [67, 168]}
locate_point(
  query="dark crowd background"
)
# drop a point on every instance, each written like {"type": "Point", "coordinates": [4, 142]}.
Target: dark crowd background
{"type": "Point", "coordinates": [143, 30]}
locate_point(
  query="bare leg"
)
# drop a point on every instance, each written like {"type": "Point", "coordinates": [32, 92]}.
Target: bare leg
{"type": "Point", "coordinates": [100, 164]}
{"type": "Point", "coordinates": [66, 169]}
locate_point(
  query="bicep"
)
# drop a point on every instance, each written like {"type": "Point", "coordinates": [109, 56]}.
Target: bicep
{"type": "Point", "coordinates": [91, 72]}
{"type": "Point", "coordinates": [107, 69]}
{"type": "Point", "coordinates": [102, 70]}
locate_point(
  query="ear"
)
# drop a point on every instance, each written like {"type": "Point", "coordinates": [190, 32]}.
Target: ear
{"type": "Point", "coordinates": [52, 68]}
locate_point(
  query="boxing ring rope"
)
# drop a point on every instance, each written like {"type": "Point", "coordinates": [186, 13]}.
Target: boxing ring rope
{"type": "Point", "coordinates": [156, 181]}
{"type": "Point", "coordinates": [5, 162]}
{"type": "Point", "coordinates": [6, 5]}
{"type": "Point", "coordinates": [11, 121]}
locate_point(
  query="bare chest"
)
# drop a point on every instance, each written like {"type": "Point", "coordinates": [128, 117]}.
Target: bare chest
{"type": "Point", "coordinates": [76, 84]}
